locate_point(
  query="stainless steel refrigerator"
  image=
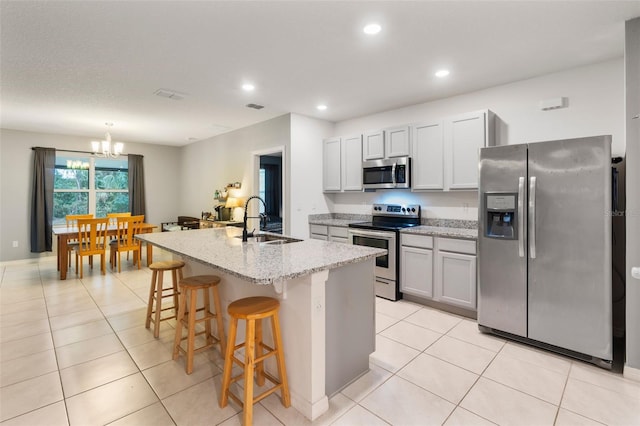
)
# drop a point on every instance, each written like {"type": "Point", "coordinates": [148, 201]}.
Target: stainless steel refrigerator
{"type": "Point", "coordinates": [544, 239]}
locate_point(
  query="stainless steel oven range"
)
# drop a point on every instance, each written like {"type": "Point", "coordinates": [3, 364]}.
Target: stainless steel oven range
{"type": "Point", "coordinates": [383, 232]}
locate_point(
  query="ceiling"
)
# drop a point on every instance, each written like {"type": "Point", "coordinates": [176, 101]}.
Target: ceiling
{"type": "Point", "coordinates": [68, 67]}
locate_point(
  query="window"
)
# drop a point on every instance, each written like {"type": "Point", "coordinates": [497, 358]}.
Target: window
{"type": "Point", "coordinates": [85, 184]}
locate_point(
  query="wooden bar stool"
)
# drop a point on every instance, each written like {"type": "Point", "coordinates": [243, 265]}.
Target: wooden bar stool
{"type": "Point", "coordinates": [158, 292]}
{"type": "Point", "coordinates": [188, 318]}
{"type": "Point", "coordinates": [253, 310]}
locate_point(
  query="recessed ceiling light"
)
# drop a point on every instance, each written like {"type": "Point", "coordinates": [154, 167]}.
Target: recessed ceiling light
{"type": "Point", "coordinates": [372, 28]}
{"type": "Point", "coordinates": [248, 87]}
{"type": "Point", "coordinates": [442, 73]}
{"type": "Point", "coordinates": [322, 107]}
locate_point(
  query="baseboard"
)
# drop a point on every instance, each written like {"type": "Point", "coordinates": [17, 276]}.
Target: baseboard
{"type": "Point", "coordinates": [631, 373]}
{"type": "Point", "coordinates": [310, 410]}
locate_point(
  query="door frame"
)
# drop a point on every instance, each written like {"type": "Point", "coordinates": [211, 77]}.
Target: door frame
{"type": "Point", "coordinates": [255, 158]}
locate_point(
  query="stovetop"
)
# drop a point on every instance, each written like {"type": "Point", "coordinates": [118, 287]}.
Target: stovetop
{"type": "Point", "coordinates": [391, 217]}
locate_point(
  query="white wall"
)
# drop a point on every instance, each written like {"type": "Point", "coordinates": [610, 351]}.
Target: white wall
{"type": "Point", "coordinates": [212, 163]}
{"type": "Point", "coordinates": [306, 171]}
{"type": "Point", "coordinates": [596, 105]}
{"type": "Point", "coordinates": [162, 175]}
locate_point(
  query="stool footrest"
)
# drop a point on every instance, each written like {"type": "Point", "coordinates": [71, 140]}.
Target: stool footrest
{"type": "Point", "coordinates": [200, 333]}
{"type": "Point", "coordinates": [197, 350]}
{"type": "Point", "coordinates": [277, 386]}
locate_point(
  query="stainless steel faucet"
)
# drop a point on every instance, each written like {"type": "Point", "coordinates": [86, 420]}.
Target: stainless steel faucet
{"type": "Point", "coordinates": [262, 217]}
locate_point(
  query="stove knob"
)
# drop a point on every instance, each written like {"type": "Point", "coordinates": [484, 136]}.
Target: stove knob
{"type": "Point", "coordinates": [413, 209]}
{"type": "Point", "coordinates": [404, 210]}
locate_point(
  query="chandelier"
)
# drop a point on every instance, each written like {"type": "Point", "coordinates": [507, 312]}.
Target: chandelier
{"type": "Point", "coordinates": [104, 148]}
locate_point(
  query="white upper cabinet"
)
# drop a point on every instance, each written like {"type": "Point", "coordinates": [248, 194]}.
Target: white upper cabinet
{"type": "Point", "coordinates": [331, 165]}
{"type": "Point", "coordinates": [373, 145]}
{"type": "Point", "coordinates": [397, 142]}
{"type": "Point", "coordinates": [342, 164]}
{"type": "Point", "coordinates": [352, 163]}
{"type": "Point", "coordinates": [444, 153]}
{"type": "Point", "coordinates": [464, 135]}
{"type": "Point", "coordinates": [427, 166]}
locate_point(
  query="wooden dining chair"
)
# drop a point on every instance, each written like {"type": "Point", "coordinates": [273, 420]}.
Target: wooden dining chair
{"type": "Point", "coordinates": [113, 217]}
{"type": "Point", "coordinates": [72, 221]}
{"type": "Point", "coordinates": [92, 240]}
{"type": "Point", "coordinates": [128, 227]}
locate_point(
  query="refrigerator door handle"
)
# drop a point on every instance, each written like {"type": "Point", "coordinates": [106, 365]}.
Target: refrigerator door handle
{"type": "Point", "coordinates": [532, 217]}
{"type": "Point", "coordinates": [521, 216]}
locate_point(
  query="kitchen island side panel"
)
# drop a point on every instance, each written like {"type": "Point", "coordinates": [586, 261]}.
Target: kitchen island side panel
{"type": "Point", "coordinates": [350, 323]}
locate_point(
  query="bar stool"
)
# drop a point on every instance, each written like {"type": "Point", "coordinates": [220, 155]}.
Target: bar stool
{"type": "Point", "coordinates": [158, 292]}
{"type": "Point", "coordinates": [188, 318]}
{"type": "Point", "coordinates": [253, 310]}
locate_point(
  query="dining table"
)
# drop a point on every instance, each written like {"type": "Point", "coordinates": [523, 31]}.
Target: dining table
{"type": "Point", "coordinates": [66, 233]}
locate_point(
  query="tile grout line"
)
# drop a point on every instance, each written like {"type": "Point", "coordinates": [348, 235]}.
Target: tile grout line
{"type": "Point", "coordinates": [55, 353]}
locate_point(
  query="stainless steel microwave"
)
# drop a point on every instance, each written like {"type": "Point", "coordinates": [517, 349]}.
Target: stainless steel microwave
{"type": "Point", "coordinates": [388, 173]}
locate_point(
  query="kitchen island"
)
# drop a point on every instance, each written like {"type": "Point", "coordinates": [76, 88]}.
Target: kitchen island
{"type": "Point", "coordinates": [326, 293]}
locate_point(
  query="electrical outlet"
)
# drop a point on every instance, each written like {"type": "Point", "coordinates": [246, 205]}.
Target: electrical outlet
{"type": "Point", "coordinates": [15, 244]}
{"type": "Point", "coordinates": [465, 206]}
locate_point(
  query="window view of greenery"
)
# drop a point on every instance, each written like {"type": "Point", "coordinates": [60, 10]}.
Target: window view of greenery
{"type": "Point", "coordinates": [76, 193]}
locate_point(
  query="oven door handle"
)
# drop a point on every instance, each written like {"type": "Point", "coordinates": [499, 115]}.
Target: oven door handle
{"type": "Point", "coordinates": [372, 234]}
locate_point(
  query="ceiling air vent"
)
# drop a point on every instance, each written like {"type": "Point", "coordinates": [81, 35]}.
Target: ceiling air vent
{"type": "Point", "coordinates": [170, 94]}
{"type": "Point", "coordinates": [255, 106]}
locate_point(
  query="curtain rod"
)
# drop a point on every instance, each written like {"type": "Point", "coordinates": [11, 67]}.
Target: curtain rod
{"type": "Point", "coordinates": [71, 150]}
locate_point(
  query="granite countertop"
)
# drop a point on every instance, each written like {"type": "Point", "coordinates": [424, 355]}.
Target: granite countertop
{"type": "Point", "coordinates": [452, 228]}
{"type": "Point", "coordinates": [259, 263]}
{"type": "Point", "coordinates": [334, 222]}
{"type": "Point", "coordinates": [442, 231]}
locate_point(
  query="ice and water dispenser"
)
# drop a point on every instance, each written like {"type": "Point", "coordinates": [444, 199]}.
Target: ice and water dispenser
{"type": "Point", "coordinates": [500, 215]}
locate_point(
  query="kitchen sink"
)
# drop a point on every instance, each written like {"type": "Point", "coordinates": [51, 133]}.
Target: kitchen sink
{"type": "Point", "coordinates": [270, 239]}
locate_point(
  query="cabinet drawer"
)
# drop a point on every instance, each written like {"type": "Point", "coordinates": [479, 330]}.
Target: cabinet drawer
{"type": "Point", "coordinates": [458, 246]}
{"type": "Point", "coordinates": [423, 241]}
{"type": "Point", "coordinates": [339, 240]}
{"type": "Point", "coordinates": [318, 237]}
{"type": "Point", "coordinates": [338, 231]}
{"type": "Point", "coordinates": [318, 229]}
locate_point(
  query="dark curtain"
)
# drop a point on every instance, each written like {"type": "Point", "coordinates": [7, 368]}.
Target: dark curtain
{"type": "Point", "coordinates": [44, 164]}
{"type": "Point", "coordinates": [136, 185]}
{"type": "Point", "coordinates": [272, 186]}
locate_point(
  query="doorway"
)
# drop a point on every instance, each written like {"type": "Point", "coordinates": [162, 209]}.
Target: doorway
{"type": "Point", "coordinates": [270, 180]}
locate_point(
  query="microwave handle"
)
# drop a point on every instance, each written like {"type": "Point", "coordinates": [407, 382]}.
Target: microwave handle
{"type": "Point", "coordinates": [393, 173]}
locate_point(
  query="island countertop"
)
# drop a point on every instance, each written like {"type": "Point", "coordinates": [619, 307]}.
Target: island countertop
{"type": "Point", "coordinates": [258, 263]}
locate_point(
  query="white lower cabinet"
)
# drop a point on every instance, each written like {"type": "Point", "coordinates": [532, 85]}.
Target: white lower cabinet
{"type": "Point", "coordinates": [416, 271]}
{"type": "Point", "coordinates": [318, 232]}
{"type": "Point", "coordinates": [338, 234]}
{"type": "Point", "coordinates": [456, 279]}
{"type": "Point", "coordinates": [439, 269]}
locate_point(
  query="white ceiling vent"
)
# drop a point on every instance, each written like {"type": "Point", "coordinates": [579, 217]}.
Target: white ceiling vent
{"type": "Point", "coordinates": [166, 93]}
{"type": "Point", "coordinates": [255, 106]}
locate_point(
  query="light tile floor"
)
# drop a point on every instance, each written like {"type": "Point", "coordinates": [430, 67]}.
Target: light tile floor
{"type": "Point", "coordinates": [77, 352]}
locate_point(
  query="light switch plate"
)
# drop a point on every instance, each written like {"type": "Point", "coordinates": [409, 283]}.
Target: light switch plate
{"type": "Point", "coordinates": [635, 272]}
